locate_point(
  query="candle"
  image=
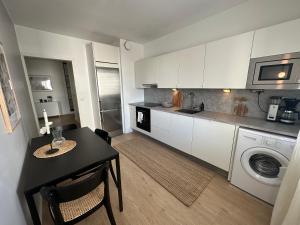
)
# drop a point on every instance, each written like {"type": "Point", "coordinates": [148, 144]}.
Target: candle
{"type": "Point", "coordinates": [46, 121]}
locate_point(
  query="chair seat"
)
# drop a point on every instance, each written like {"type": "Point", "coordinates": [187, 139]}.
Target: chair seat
{"type": "Point", "coordinates": [73, 209]}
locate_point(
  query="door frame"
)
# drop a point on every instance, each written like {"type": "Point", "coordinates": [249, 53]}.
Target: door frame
{"type": "Point", "coordinates": [29, 86]}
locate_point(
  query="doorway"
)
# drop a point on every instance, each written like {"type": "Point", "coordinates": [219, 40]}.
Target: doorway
{"type": "Point", "coordinates": [52, 87]}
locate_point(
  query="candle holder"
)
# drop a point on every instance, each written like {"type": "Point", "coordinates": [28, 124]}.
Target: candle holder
{"type": "Point", "coordinates": [52, 150]}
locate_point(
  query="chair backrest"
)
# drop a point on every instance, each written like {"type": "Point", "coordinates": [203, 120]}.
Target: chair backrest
{"type": "Point", "coordinates": [76, 190]}
{"type": "Point", "coordinates": [69, 127]}
{"type": "Point", "coordinates": [104, 135]}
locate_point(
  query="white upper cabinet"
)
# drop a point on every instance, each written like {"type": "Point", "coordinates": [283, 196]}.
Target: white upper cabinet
{"type": "Point", "coordinates": [279, 39]}
{"type": "Point", "coordinates": [227, 62]}
{"type": "Point", "coordinates": [106, 53]}
{"type": "Point", "coordinates": [146, 72]}
{"type": "Point", "coordinates": [191, 67]}
{"type": "Point", "coordinates": [213, 142]}
{"type": "Point", "coordinates": [168, 66]}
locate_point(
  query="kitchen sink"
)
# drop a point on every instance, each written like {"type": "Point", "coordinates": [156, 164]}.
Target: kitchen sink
{"type": "Point", "coordinates": [188, 111]}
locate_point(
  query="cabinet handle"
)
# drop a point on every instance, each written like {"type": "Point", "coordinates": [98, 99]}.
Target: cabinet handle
{"type": "Point", "coordinates": [149, 85]}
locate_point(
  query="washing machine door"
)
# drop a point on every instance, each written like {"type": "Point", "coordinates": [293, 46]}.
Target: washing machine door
{"type": "Point", "coordinates": [264, 165]}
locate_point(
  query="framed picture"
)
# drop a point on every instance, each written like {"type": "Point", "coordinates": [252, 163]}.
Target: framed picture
{"type": "Point", "coordinates": [8, 103]}
{"type": "Point", "coordinates": [40, 83]}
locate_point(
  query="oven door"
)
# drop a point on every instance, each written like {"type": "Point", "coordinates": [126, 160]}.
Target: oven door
{"type": "Point", "coordinates": [143, 118]}
{"type": "Point", "coordinates": [264, 165]}
{"type": "Point", "coordinates": [277, 72]}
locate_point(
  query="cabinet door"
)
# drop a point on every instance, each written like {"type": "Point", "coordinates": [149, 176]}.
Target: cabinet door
{"type": "Point", "coordinates": [145, 72]}
{"type": "Point", "coordinates": [227, 62]}
{"type": "Point", "coordinates": [160, 126]}
{"type": "Point", "coordinates": [132, 111]}
{"type": "Point", "coordinates": [106, 53]}
{"type": "Point", "coordinates": [181, 132]}
{"type": "Point", "coordinates": [167, 73]}
{"type": "Point", "coordinates": [279, 39]}
{"type": "Point", "coordinates": [191, 67]}
{"type": "Point", "coordinates": [213, 142]}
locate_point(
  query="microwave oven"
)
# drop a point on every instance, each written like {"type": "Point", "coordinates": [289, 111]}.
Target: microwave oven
{"type": "Point", "coordinates": [275, 72]}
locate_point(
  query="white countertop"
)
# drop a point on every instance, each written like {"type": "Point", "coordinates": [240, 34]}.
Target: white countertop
{"type": "Point", "coordinates": [247, 122]}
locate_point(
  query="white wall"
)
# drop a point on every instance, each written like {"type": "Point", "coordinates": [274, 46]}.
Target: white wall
{"type": "Point", "coordinates": [93, 85]}
{"type": "Point", "coordinates": [242, 18]}
{"type": "Point", "coordinates": [130, 93]}
{"type": "Point", "coordinates": [53, 69]}
{"type": "Point", "coordinates": [13, 146]}
{"type": "Point", "coordinates": [37, 43]}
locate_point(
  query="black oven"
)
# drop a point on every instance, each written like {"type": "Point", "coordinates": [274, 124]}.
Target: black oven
{"type": "Point", "coordinates": [143, 118]}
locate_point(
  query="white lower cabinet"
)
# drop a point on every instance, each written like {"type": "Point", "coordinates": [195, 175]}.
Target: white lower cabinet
{"type": "Point", "coordinates": [52, 108]}
{"type": "Point", "coordinates": [207, 140]}
{"type": "Point", "coordinates": [160, 126]}
{"type": "Point", "coordinates": [213, 142]}
{"type": "Point", "coordinates": [172, 129]}
{"type": "Point", "coordinates": [132, 112]}
{"type": "Point", "coordinates": [181, 132]}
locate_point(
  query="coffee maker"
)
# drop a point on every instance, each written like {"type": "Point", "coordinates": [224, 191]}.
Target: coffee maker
{"type": "Point", "coordinates": [289, 114]}
{"type": "Point", "coordinates": [273, 111]}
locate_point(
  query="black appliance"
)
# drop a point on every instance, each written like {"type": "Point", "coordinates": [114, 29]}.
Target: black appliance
{"type": "Point", "coordinates": [290, 115]}
{"type": "Point", "coordinates": [149, 104]}
{"type": "Point", "coordinates": [143, 118]}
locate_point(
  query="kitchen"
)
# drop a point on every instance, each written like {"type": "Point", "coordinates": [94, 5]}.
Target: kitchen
{"type": "Point", "coordinates": [196, 107]}
{"type": "Point", "coordinates": [256, 98]}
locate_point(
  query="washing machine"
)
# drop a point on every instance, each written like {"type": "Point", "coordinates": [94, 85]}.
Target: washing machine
{"type": "Point", "coordinates": [260, 162]}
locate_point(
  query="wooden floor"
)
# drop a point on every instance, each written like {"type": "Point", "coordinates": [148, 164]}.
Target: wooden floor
{"type": "Point", "coordinates": [146, 202]}
{"type": "Point", "coordinates": [60, 120]}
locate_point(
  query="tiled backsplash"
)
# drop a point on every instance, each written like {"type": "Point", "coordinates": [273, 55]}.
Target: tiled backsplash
{"type": "Point", "coordinates": [217, 101]}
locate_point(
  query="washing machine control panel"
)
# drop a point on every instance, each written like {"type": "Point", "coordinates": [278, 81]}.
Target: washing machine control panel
{"type": "Point", "coordinates": [282, 146]}
{"type": "Point", "coordinates": [252, 138]}
{"type": "Point", "coordinates": [270, 142]}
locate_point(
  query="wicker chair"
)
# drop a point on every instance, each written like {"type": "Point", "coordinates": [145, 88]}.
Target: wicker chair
{"type": "Point", "coordinates": [105, 136]}
{"type": "Point", "coordinates": [72, 203]}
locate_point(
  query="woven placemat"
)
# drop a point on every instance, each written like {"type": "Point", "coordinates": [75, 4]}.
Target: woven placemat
{"type": "Point", "coordinates": [67, 146]}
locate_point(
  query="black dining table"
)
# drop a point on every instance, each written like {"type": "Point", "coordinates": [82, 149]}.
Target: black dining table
{"type": "Point", "coordinates": [90, 151]}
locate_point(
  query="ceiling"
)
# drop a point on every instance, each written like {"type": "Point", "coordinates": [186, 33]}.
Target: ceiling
{"type": "Point", "coordinates": [108, 20]}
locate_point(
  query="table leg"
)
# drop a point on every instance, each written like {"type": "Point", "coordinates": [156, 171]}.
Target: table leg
{"type": "Point", "coordinates": [119, 183]}
{"type": "Point", "coordinates": [33, 210]}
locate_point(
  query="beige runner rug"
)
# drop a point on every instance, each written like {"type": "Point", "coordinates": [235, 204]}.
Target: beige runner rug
{"type": "Point", "coordinates": [182, 177]}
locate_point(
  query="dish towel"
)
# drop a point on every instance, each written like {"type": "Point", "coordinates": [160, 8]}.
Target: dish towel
{"type": "Point", "coordinates": [140, 117]}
